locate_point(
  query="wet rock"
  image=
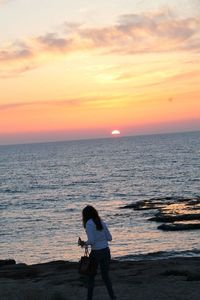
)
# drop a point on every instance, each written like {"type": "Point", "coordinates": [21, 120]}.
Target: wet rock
{"type": "Point", "coordinates": [170, 210]}
{"type": "Point", "coordinates": [178, 227]}
{"type": "Point", "coordinates": [173, 218]}
{"type": "Point", "coordinates": [155, 203]}
{"type": "Point", "coordinates": [144, 205]}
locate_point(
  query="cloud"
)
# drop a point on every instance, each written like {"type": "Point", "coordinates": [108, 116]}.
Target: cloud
{"type": "Point", "coordinates": [13, 72]}
{"type": "Point", "coordinates": [74, 102]}
{"type": "Point", "coordinates": [67, 102]}
{"type": "Point", "coordinates": [159, 31]}
{"type": "Point", "coordinates": [10, 106]}
{"type": "Point", "coordinates": [154, 32]}
{"type": "Point", "coordinates": [52, 42]}
{"type": "Point", "coordinates": [15, 52]}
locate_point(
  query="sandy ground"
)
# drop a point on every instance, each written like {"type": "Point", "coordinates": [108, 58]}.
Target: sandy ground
{"type": "Point", "coordinates": [170, 279]}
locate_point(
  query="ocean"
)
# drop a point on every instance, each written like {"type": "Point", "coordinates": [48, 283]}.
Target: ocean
{"type": "Point", "coordinates": [44, 187]}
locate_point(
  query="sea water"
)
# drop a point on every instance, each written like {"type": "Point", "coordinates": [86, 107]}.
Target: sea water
{"type": "Point", "coordinates": [44, 187]}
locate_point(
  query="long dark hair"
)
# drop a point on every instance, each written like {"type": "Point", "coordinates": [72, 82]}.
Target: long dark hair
{"type": "Point", "coordinates": [89, 212]}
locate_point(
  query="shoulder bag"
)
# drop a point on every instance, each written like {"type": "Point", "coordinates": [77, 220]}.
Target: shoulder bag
{"type": "Point", "coordinates": [87, 264]}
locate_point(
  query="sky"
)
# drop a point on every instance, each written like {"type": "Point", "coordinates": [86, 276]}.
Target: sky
{"type": "Point", "coordinates": [80, 69]}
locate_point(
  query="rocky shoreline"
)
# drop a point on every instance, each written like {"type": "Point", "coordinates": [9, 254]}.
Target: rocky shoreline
{"type": "Point", "coordinates": [176, 213]}
{"type": "Point", "coordinates": [174, 278]}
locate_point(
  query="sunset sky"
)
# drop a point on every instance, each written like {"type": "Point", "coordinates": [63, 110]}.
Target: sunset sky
{"type": "Point", "coordinates": [80, 69]}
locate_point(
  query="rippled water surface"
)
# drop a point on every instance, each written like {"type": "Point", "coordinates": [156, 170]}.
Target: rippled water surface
{"type": "Point", "coordinates": [44, 187]}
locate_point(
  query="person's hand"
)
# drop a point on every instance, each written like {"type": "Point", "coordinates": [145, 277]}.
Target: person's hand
{"type": "Point", "coordinates": [80, 242]}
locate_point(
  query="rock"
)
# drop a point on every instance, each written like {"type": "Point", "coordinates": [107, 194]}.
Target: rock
{"type": "Point", "coordinates": [178, 227]}
{"type": "Point", "coordinates": [6, 262]}
{"type": "Point", "coordinates": [175, 272]}
{"type": "Point", "coordinates": [172, 218]}
{"type": "Point", "coordinates": [190, 276]}
{"type": "Point", "coordinates": [194, 277]}
{"type": "Point", "coordinates": [23, 271]}
{"type": "Point", "coordinates": [170, 210]}
{"type": "Point", "coordinates": [174, 278]}
{"type": "Point", "coordinates": [18, 272]}
{"type": "Point", "coordinates": [144, 205]}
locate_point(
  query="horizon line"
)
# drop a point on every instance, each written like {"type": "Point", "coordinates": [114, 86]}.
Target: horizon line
{"type": "Point", "coordinates": [100, 138]}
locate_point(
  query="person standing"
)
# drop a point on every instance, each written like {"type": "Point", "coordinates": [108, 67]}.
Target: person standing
{"type": "Point", "coordinates": [98, 236]}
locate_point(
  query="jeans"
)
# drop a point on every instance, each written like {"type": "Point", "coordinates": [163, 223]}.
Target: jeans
{"type": "Point", "coordinates": [102, 258]}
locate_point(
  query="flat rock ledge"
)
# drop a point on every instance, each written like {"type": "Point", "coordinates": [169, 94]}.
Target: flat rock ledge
{"type": "Point", "coordinates": [139, 280]}
{"type": "Point", "coordinates": [7, 262]}
{"type": "Point", "coordinates": [176, 213]}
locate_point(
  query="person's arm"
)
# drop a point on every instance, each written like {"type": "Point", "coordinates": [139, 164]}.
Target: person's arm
{"type": "Point", "coordinates": [90, 233]}
{"type": "Point", "coordinates": [107, 232]}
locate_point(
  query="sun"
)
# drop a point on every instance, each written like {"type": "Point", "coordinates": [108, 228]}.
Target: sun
{"type": "Point", "coordinates": [115, 132]}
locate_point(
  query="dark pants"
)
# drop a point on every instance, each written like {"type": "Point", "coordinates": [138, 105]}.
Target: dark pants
{"type": "Point", "coordinates": [102, 258]}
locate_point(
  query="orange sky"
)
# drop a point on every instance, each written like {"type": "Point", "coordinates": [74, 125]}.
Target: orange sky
{"type": "Point", "coordinates": [81, 78]}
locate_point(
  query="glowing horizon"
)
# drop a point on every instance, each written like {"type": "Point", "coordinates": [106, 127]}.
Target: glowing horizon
{"type": "Point", "coordinates": [133, 67]}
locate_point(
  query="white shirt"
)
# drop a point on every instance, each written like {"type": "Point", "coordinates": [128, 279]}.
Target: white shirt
{"type": "Point", "coordinates": [98, 239]}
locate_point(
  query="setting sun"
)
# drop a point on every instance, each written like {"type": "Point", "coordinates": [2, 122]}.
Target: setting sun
{"type": "Point", "coordinates": [115, 132]}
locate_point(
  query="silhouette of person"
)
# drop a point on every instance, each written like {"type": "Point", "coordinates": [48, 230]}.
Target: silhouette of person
{"type": "Point", "coordinates": [98, 236]}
